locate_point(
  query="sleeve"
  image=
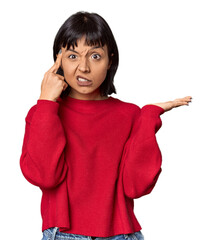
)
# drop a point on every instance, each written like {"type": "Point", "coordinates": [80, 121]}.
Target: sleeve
{"type": "Point", "coordinates": [42, 159]}
{"type": "Point", "coordinates": [142, 156]}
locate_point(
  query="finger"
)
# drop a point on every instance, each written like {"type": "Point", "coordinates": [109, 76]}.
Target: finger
{"type": "Point", "coordinates": [59, 76]}
{"type": "Point", "coordinates": [185, 99]}
{"type": "Point", "coordinates": [181, 103]}
{"type": "Point", "coordinates": [57, 63]}
{"type": "Point", "coordinates": [188, 98]}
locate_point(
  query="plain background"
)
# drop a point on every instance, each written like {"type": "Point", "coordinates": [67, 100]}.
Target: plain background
{"type": "Point", "coordinates": [165, 53]}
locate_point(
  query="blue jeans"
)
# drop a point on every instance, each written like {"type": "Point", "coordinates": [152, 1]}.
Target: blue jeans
{"type": "Point", "coordinates": [54, 234]}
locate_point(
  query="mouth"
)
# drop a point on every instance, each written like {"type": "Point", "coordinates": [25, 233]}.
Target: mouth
{"type": "Point", "coordinates": [83, 81]}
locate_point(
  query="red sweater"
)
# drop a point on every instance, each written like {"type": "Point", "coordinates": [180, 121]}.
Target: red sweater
{"type": "Point", "coordinates": [91, 158]}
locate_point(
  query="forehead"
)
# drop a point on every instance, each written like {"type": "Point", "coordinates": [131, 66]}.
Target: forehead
{"type": "Point", "coordinates": [83, 43]}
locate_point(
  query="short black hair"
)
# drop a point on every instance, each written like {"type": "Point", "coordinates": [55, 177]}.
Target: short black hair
{"type": "Point", "coordinates": [96, 32]}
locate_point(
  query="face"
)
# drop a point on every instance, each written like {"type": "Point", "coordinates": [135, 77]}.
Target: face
{"type": "Point", "coordinates": [85, 68]}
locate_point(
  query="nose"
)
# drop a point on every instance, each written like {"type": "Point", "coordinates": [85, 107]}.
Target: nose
{"type": "Point", "coordinates": [84, 66]}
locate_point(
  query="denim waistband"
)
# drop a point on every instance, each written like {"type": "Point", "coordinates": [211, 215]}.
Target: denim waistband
{"type": "Point", "coordinates": [55, 234]}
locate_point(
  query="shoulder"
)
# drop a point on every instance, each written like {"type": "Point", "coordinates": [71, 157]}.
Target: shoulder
{"type": "Point", "coordinates": [128, 108]}
{"type": "Point", "coordinates": [126, 104]}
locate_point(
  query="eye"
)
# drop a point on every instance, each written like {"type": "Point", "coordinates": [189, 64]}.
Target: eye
{"type": "Point", "coordinates": [96, 56]}
{"type": "Point", "coordinates": [72, 56]}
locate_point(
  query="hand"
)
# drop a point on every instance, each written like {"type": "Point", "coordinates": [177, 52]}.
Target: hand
{"type": "Point", "coordinates": [53, 84]}
{"type": "Point", "coordinates": [167, 106]}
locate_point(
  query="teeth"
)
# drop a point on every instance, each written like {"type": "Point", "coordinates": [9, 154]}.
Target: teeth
{"type": "Point", "coordinates": [82, 80]}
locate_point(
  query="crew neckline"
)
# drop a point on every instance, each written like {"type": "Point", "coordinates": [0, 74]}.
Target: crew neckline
{"type": "Point", "coordinates": [87, 106]}
{"type": "Point", "coordinates": [89, 100]}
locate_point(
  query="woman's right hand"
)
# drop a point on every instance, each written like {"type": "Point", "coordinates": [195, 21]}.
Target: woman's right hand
{"type": "Point", "coordinates": [53, 84]}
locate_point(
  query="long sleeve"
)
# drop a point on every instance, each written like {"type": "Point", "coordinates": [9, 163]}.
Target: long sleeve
{"type": "Point", "coordinates": [42, 160]}
{"type": "Point", "coordinates": [142, 156]}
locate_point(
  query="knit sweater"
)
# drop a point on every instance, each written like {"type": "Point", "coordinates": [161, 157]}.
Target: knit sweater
{"type": "Point", "coordinates": [91, 159]}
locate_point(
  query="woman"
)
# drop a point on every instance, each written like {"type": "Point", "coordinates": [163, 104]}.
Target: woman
{"type": "Point", "coordinates": [90, 154]}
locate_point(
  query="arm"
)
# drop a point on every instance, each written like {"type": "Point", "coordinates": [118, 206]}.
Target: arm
{"type": "Point", "coordinates": [42, 160]}
{"type": "Point", "coordinates": [142, 155]}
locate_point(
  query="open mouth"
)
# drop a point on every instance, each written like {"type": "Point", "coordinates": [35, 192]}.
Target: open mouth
{"type": "Point", "coordinates": [80, 79]}
{"type": "Point", "coordinates": [83, 81]}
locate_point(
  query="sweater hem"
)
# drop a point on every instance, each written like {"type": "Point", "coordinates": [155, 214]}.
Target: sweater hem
{"type": "Point", "coordinates": [100, 234]}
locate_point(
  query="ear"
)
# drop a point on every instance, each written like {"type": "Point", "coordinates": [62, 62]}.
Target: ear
{"type": "Point", "coordinates": [61, 65]}
{"type": "Point", "coordinates": [109, 65]}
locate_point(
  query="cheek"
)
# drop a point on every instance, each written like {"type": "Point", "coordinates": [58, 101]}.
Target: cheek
{"type": "Point", "coordinates": [104, 72]}
{"type": "Point", "coordinates": [68, 68]}
{"type": "Point", "coordinates": [102, 69]}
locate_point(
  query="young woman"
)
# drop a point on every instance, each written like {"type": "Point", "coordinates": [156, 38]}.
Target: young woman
{"type": "Point", "coordinates": [90, 154]}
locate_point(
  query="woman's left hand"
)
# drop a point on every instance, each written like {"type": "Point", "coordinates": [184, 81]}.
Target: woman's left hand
{"type": "Point", "coordinates": [167, 106]}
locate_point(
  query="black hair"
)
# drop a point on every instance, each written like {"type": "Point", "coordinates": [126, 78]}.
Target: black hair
{"type": "Point", "coordinates": [96, 32]}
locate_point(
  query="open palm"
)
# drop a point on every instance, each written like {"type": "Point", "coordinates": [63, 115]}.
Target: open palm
{"type": "Point", "coordinates": [167, 106]}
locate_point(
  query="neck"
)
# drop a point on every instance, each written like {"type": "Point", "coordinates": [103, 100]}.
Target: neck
{"type": "Point", "coordinates": [87, 96]}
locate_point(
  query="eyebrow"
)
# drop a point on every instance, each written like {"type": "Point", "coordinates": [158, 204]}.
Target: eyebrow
{"type": "Point", "coordinates": [72, 50]}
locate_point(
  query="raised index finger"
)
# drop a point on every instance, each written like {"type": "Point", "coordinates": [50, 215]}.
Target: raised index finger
{"type": "Point", "coordinates": [57, 63]}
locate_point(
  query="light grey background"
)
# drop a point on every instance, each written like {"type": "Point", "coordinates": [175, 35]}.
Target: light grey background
{"type": "Point", "coordinates": [165, 53]}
